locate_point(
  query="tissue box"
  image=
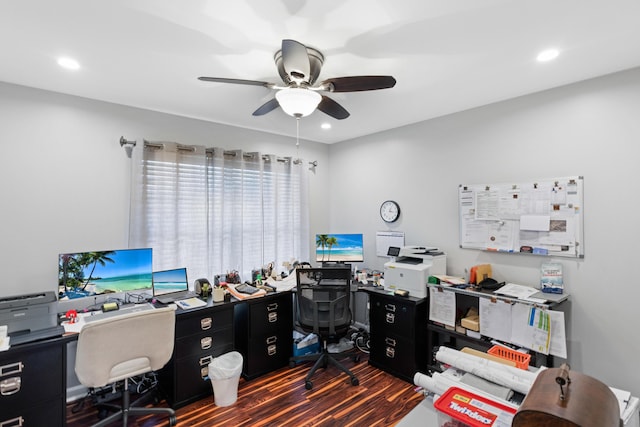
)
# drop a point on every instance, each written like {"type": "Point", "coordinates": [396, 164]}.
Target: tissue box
{"type": "Point", "coordinates": [305, 344]}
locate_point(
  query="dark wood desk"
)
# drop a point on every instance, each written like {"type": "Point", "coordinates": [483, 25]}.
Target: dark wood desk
{"type": "Point", "coordinates": [261, 329]}
{"type": "Point", "coordinates": [33, 376]}
{"type": "Point", "coordinates": [398, 334]}
{"type": "Point", "coordinates": [33, 383]}
{"type": "Point", "coordinates": [264, 333]}
{"type": "Point", "coordinates": [201, 334]}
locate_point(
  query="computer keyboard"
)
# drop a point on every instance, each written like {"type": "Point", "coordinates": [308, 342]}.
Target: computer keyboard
{"type": "Point", "coordinates": [246, 288]}
{"type": "Point", "coordinates": [41, 334]}
{"type": "Point", "coordinates": [120, 312]}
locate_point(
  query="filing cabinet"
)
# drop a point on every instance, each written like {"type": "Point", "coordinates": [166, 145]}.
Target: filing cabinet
{"type": "Point", "coordinates": [264, 333]}
{"type": "Point", "coordinates": [398, 335]}
{"type": "Point", "coordinates": [201, 335]}
{"type": "Point", "coordinates": [33, 384]}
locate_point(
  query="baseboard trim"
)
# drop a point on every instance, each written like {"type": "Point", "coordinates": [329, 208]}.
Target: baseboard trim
{"type": "Point", "coordinates": [76, 392]}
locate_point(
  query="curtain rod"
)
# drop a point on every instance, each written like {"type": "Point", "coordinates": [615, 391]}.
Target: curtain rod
{"type": "Point", "coordinates": [209, 151]}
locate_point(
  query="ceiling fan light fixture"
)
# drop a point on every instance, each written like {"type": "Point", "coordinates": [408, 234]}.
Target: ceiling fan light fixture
{"type": "Point", "coordinates": [298, 102]}
{"type": "Point", "coordinates": [547, 55]}
{"type": "Point", "coordinates": [68, 63]}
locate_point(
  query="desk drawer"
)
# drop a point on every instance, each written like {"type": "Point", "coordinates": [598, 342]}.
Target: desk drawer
{"type": "Point", "coordinates": [192, 375]}
{"type": "Point", "coordinates": [391, 314]}
{"type": "Point", "coordinates": [268, 352]}
{"type": "Point", "coordinates": [204, 320]}
{"type": "Point", "coordinates": [49, 413]}
{"type": "Point", "coordinates": [271, 316]}
{"type": "Point", "coordinates": [30, 376]}
{"type": "Point", "coordinates": [394, 354]}
{"type": "Point", "coordinates": [203, 342]}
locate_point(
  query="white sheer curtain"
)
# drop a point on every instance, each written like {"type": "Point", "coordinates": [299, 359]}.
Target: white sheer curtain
{"type": "Point", "coordinates": [215, 211]}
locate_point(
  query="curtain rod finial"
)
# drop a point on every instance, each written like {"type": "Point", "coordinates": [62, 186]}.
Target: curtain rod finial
{"type": "Point", "coordinates": [124, 142]}
{"type": "Point", "coordinates": [128, 145]}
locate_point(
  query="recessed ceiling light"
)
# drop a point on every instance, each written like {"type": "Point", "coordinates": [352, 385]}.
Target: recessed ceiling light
{"type": "Point", "coordinates": [68, 63]}
{"type": "Point", "coordinates": [548, 55]}
{"type": "Point", "coordinates": [326, 126]}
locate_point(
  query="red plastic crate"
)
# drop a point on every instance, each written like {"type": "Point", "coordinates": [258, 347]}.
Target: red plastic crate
{"type": "Point", "coordinates": [521, 359]}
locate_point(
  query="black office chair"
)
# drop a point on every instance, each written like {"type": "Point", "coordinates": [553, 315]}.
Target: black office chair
{"type": "Point", "coordinates": [323, 308]}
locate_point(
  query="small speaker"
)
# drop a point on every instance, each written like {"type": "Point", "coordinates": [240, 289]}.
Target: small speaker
{"type": "Point", "coordinates": [202, 287]}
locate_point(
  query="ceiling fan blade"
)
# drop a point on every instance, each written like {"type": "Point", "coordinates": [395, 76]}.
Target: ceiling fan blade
{"type": "Point", "coordinates": [267, 107]}
{"type": "Point", "coordinates": [236, 81]}
{"type": "Point", "coordinates": [332, 108]}
{"type": "Point", "coordinates": [358, 83]}
{"type": "Point", "coordinates": [295, 60]}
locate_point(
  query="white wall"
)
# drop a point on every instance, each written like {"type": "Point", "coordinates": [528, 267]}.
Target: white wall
{"type": "Point", "coordinates": [590, 129]}
{"type": "Point", "coordinates": [65, 179]}
{"type": "Point", "coordinates": [64, 186]}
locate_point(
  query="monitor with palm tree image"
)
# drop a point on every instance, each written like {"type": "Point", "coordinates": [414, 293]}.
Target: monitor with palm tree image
{"type": "Point", "coordinates": [339, 248]}
{"type": "Point", "coordinates": [86, 274]}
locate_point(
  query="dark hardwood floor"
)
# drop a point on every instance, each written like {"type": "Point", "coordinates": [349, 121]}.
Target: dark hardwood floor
{"type": "Point", "coordinates": [280, 399]}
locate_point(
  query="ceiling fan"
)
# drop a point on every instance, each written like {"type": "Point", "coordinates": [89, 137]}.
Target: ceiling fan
{"type": "Point", "coordinates": [299, 67]}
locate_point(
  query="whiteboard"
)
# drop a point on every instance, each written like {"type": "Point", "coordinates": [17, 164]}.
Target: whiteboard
{"type": "Point", "coordinates": [543, 217]}
{"type": "Point", "coordinates": [385, 239]}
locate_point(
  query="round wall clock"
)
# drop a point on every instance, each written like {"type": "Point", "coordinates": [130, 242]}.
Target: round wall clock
{"type": "Point", "coordinates": [389, 211]}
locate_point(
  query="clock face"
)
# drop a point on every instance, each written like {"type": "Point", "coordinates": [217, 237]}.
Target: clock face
{"type": "Point", "coordinates": [389, 211]}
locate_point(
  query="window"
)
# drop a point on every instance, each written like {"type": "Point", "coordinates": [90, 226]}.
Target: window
{"type": "Point", "coordinates": [214, 211]}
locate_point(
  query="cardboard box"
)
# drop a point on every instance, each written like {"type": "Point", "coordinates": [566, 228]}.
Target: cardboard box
{"type": "Point", "coordinates": [471, 320]}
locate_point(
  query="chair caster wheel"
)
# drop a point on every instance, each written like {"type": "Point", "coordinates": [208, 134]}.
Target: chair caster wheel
{"type": "Point", "coordinates": [173, 420]}
{"type": "Point", "coordinates": [102, 413]}
{"type": "Point", "coordinates": [356, 358]}
{"type": "Point", "coordinates": [354, 381]}
{"type": "Point", "coordinates": [308, 385]}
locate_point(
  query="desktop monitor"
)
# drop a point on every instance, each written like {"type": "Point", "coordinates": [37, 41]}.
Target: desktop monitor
{"type": "Point", "coordinates": [339, 248]}
{"type": "Point", "coordinates": [84, 274]}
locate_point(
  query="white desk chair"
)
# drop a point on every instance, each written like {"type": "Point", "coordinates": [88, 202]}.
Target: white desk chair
{"type": "Point", "coordinates": [122, 347]}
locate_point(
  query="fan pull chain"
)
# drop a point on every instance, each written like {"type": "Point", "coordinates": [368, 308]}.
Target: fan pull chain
{"type": "Point", "coordinates": [298, 137]}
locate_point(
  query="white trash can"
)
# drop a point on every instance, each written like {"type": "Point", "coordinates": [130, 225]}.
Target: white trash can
{"type": "Point", "coordinates": [224, 373]}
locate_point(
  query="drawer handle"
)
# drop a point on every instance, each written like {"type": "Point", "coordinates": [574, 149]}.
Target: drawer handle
{"type": "Point", "coordinates": [272, 306]}
{"type": "Point", "coordinates": [206, 323]}
{"type": "Point", "coordinates": [272, 340]}
{"type": "Point", "coordinates": [204, 361]}
{"type": "Point", "coordinates": [390, 307]}
{"type": "Point", "coordinates": [271, 350]}
{"type": "Point", "coordinates": [204, 372]}
{"type": "Point", "coordinates": [273, 317]}
{"type": "Point", "coordinates": [11, 369]}
{"type": "Point", "coordinates": [391, 318]}
{"type": "Point", "coordinates": [10, 386]}
{"type": "Point", "coordinates": [391, 352]}
{"type": "Point", "coordinates": [390, 341]}
{"type": "Point", "coordinates": [16, 422]}
{"type": "Point", "coordinates": [206, 343]}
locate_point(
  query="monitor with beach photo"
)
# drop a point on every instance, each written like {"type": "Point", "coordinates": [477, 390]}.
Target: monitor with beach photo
{"type": "Point", "coordinates": [339, 248]}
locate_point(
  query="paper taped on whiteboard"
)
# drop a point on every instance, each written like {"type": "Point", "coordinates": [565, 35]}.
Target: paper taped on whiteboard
{"type": "Point", "coordinates": [535, 222]}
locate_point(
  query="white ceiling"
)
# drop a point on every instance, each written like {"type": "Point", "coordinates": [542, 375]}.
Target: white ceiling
{"type": "Point", "coordinates": [446, 55]}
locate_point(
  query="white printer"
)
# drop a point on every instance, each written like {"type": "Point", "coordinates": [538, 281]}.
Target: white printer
{"type": "Point", "coordinates": [411, 269]}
